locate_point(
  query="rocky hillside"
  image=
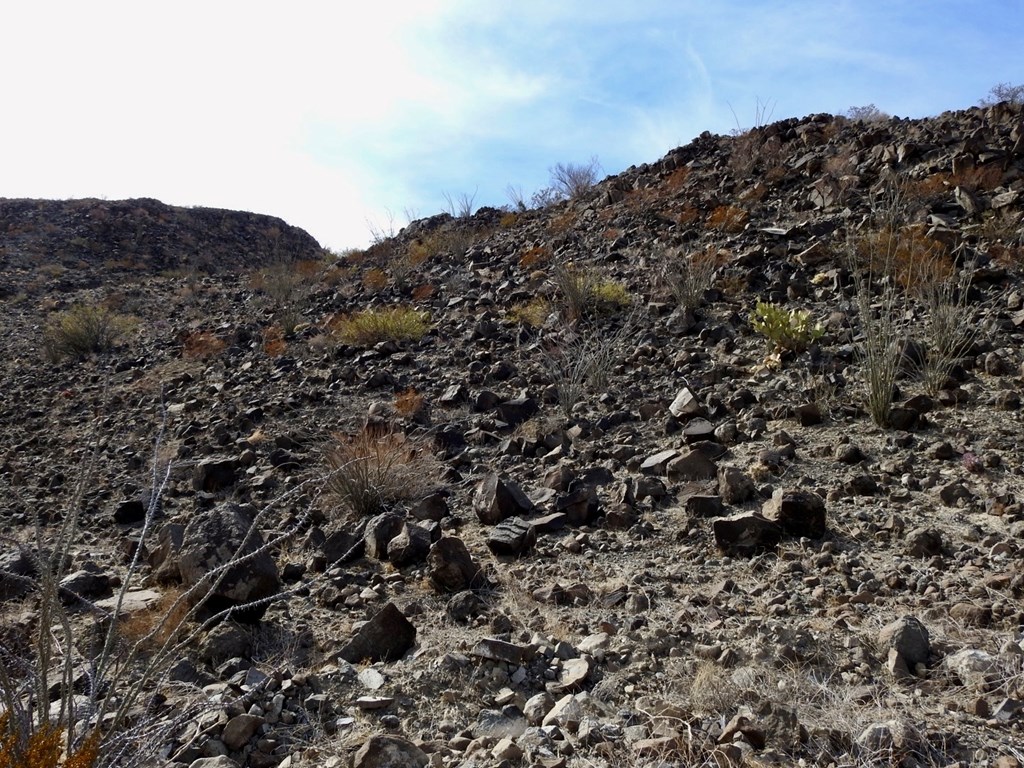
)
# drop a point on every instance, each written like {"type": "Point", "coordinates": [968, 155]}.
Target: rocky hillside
{"type": "Point", "coordinates": [718, 463]}
{"type": "Point", "coordinates": [84, 239]}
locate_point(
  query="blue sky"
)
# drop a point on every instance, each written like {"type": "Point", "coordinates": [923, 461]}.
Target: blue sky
{"type": "Point", "coordinates": [342, 116]}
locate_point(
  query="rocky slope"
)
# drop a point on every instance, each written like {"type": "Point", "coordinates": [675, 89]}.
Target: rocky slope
{"type": "Point", "coordinates": [691, 550]}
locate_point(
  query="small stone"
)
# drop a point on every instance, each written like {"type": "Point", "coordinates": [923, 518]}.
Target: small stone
{"type": "Point", "coordinates": [735, 486]}
{"type": "Point", "coordinates": [566, 713]}
{"type": "Point", "coordinates": [537, 706]}
{"type": "Point", "coordinates": [499, 650]}
{"type": "Point", "coordinates": [924, 542]}
{"type": "Point", "coordinates": [693, 466]}
{"type": "Point", "coordinates": [513, 536]}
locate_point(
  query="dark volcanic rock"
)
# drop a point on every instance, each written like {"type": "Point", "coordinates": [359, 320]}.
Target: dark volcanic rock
{"type": "Point", "coordinates": [746, 534]}
{"type": "Point", "coordinates": [450, 567]}
{"type": "Point", "coordinates": [224, 536]}
{"type": "Point", "coordinates": [498, 498]}
{"type": "Point", "coordinates": [385, 637]}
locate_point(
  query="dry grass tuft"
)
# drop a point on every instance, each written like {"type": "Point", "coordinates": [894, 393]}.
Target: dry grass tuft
{"type": "Point", "coordinates": [376, 469]}
{"type": "Point", "coordinates": [373, 326]}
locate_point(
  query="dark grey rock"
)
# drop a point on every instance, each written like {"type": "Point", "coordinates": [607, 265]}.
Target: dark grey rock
{"type": "Point", "coordinates": [225, 537]}
{"type": "Point", "coordinates": [386, 637]}
{"type": "Point", "coordinates": [511, 537]}
{"type": "Point", "coordinates": [380, 530]}
{"type": "Point", "coordinates": [498, 498]}
{"type": "Point", "coordinates": [410, 545]}
{"type": "Point", "coordinates": [450, 567]}
{"type": "Point", "coordinates": [746, 534]}
{"type": "Point", "coordinates": [798, 513]}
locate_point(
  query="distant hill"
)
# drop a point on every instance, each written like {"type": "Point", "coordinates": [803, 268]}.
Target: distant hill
{"type": "Point", "coordinates": [142, 235]}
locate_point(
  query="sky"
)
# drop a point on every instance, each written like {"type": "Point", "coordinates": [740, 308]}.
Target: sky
{"type": "Point", "coordinates": [349, 118]}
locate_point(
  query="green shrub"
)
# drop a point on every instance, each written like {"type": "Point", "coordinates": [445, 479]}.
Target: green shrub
{"type": "Point", "coordinates": [83, 330]}
{"type": "Point", "coordinates": [373, 326]}
{"type": "Point", "coordinates": [788, 331]}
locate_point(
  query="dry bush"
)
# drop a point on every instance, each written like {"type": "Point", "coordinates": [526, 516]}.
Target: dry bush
{"type": "Point", "coordinates": [688, 276]}
{"type": "Point", "coordinates": [82, 330]}
{"type": "Point", "coordinates": [376, 469]}
{"type": "Point", "coordinates": [947, 329]}
{"type": "Point", "coordinates": [584, 293]}
{"type": "Point", "coordinates": [579, 359]}
{"type": "Point", "coordinates": [1000, 92]}
{"type": "Point", "coordinates": [572, 180]}
{"type": "Point", "coordinates": [728, 218]}
{"type": "Point", "coordinates": [372, 326]}
{"type": "Point", "coordinates": [575, 286]}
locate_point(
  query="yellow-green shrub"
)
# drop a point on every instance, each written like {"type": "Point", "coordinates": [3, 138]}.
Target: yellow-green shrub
{"type": "Point", "coordinates": [83, 329]}
{"type": "Point", "coordinates": [372, 326]}
{"type": "Point", "coordinates": [788, 331]}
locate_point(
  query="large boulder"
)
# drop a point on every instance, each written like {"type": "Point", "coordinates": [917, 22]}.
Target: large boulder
{"type": "Point", "coordinates": [498, 498]}
{"type": "Point", "coordinates": [451, 568]}
{"type": "Point", "coordinates": [223, 553]}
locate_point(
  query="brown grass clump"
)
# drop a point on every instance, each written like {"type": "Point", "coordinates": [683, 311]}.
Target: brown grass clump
{"type": "Point", "coordinates": [728, 218]}
{"type": "Point", "coordinates": [377, 469]}
{"type": "Point", "coordinates": [424, 292]}
{"type": "Point", "coordinates": [535, 257]}
{"type": "Point", "coordinates": [677, 179]}
{"type": "Point", "coordinates": [373, 326]}
{"type": "Point", "coordinates": [907, 255]}
{"type": "Point", "coordinates": [562, 223]}
{"type": "Point", "coordinates": [42, 748]}
{"type": "Point", "coordinates": [202, 345]}
{"type": "Point", "coordinates": [274, 344]}
{"type": "Point", "coordinates": [159, 623]}
{"type": "Point", "coordinates": [410, 403]}
{"type": "Point", "coordinates": [375, 279]}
